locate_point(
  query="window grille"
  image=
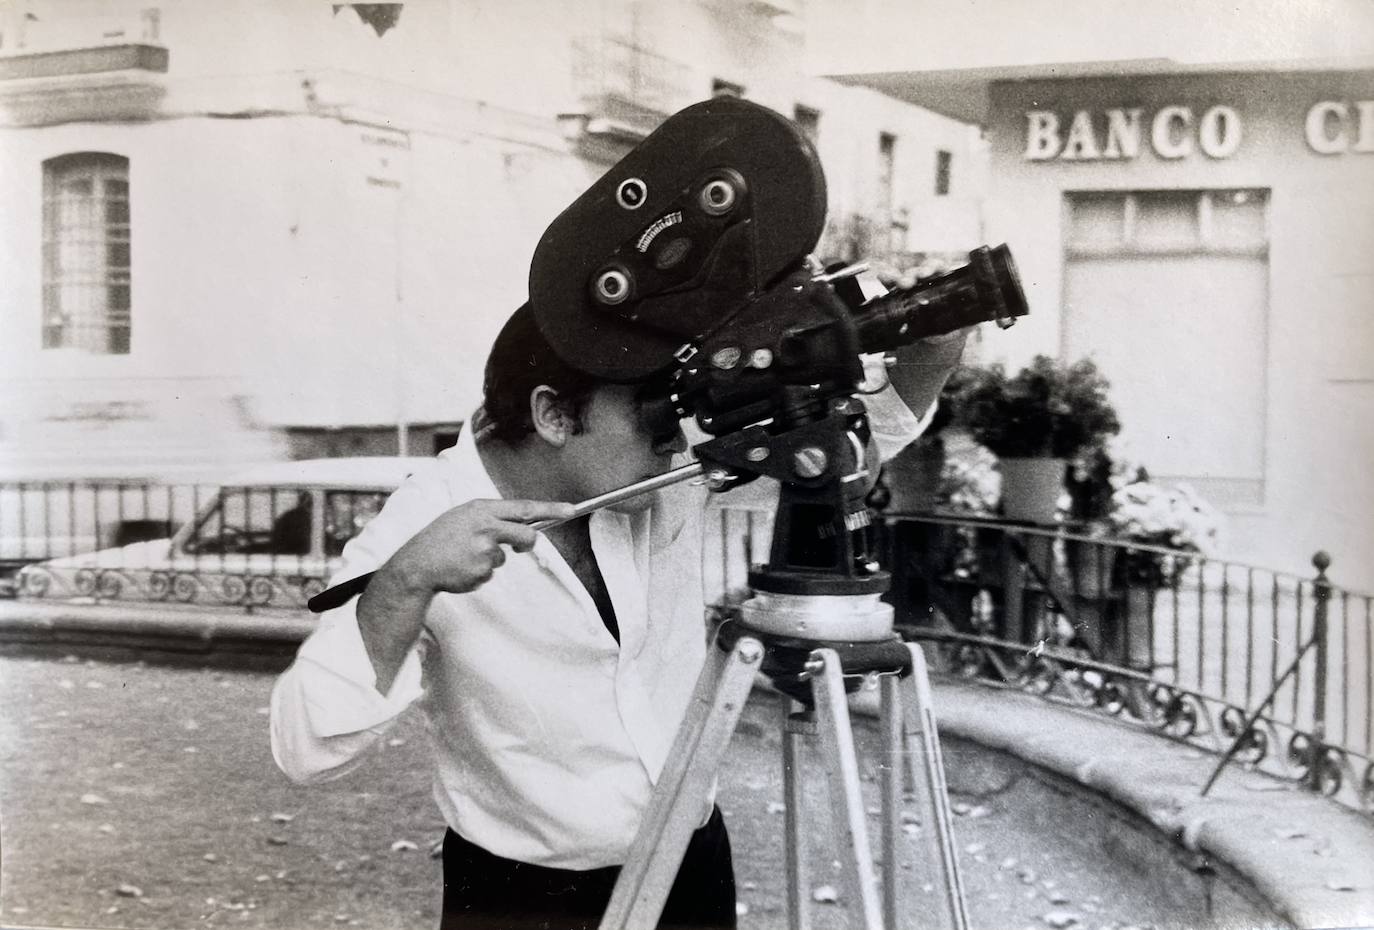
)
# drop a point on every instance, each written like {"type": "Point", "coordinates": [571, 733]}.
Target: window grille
{"type": "Point", "coordinates": [86, 253]}
{"type": "Point", "coordinates": [1165, 222]}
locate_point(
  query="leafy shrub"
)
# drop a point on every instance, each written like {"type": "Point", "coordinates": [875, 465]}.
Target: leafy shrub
{"type": "Point", "coordinates": [1048, 409]}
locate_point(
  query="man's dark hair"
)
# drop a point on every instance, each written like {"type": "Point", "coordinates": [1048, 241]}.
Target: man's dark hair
{"type": "Point", "coordinates": [521, 359]}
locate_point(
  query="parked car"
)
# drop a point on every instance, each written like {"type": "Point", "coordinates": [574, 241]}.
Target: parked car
{"type": "Point", "coordinates": [269, 536]}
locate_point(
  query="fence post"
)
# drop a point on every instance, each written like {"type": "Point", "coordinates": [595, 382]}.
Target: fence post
{"type": "Point", "coordinates": [1013, 578]}
{"type": "Point", "coordinates": [1321, 591]}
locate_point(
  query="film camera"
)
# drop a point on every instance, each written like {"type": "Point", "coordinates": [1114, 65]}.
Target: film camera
{"type": "Point", "coordinates": [688, 265]}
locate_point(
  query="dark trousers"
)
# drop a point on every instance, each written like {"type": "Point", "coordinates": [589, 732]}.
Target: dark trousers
{"type": "Point", "coordinates": [486, 892]}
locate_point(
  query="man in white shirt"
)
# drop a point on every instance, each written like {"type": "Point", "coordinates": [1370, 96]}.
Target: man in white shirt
{"type": "Point", "coordinates": [554, 687]}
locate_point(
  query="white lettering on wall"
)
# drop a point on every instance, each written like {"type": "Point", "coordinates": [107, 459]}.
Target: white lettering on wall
{"type": "Point", "coordinates": [1123, 133]}
{"type": "Point", "coordinates": [1219, 132]}
{"type": "Point", "coordinates": [1364, 142]}
{"type": "Point", "coordinates": [1167, 142]}
{"type": "Point", "coordinates": [1042, 135]}
{"type": "Point", "coordinates": [1332, 129]}
{"type": "Point", "coordinates": [1319, 137]}
{"type": "Point", "coordinates": [1081, 145]}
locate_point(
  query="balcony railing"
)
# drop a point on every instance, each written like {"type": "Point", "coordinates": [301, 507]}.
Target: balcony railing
{"type": "Point", "coordinates": [1268, 670]}
{"type": "Point", "coordinates": [100, 83]}
{"type": "Point", "coordinates": [625, 87]}
{"type": "Point", "coordinates": [104, 59]}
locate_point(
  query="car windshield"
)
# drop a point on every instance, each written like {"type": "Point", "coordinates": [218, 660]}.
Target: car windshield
{"type": "Point", "coordinates": [281, 521]}
{"type": "Point", "coordinates": [256, 520]}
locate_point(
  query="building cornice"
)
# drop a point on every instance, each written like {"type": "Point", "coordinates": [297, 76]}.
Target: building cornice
{"type": "Point", "coordinates": [109, 82]}
{"type": "Point", "coordinates": [963, 93]}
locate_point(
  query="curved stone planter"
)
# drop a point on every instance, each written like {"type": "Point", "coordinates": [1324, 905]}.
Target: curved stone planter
{"type": "Point", "coordinates": [1265, 851]}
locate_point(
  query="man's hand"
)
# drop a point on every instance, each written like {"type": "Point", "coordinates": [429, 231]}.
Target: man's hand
{"type": "Point", "coordinates": [458, 552]}
{"type": "Point", "coordinates": [461, 549]}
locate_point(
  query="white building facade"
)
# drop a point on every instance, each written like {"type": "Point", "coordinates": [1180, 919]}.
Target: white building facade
{"type": "Point", "coordinates": [1203, 232]}
{"type": "Point", "coordinates": [245, 230]}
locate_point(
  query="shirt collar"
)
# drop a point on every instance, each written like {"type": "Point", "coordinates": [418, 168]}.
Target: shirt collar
{"type": "Point", "coordinates": [466, 474]}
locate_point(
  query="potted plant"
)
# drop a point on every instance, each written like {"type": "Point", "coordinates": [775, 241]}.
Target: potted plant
{"type": "Point", "coordinates": [1163, 516]}
{"type": "Point", "coordinates": [1176, 525]}
{"type": "Point", "coordinates": [1034, 422]}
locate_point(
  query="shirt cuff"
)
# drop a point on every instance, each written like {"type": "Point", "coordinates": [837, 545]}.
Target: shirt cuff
{"type": "Point", "coordinates": [347, 700]}
{"type": "Point", "coordinates": [893, 424]}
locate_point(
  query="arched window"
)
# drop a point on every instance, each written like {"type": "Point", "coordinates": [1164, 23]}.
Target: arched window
{"type": "Point", "coordinates": [86, 294]}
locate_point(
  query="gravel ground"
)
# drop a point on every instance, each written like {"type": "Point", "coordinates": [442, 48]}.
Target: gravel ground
{"type": "Point", "coordinates": [145, 796]}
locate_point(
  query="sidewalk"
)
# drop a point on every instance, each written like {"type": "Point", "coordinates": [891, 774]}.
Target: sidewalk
{"type": "Point", "coordinates": [1306, 856]}
{"type": "Point", "coordinates": [155, 629]}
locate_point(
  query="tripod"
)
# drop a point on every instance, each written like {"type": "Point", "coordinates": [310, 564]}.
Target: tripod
{"type": "Point", "coordinates": [908, 729]}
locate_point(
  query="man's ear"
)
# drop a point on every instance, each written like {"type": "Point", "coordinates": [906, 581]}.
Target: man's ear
{"type": "Point", "coordinates": [553, 420]}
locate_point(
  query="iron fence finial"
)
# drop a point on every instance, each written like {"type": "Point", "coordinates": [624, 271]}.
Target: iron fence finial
{"type": "Point", "coordinates": [1321, 561]}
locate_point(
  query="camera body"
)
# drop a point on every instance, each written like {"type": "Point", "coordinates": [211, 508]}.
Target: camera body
{"type": "Point", "coordinates": [707, 212]}
{"type": "Point", "coordinates": [688, 265]}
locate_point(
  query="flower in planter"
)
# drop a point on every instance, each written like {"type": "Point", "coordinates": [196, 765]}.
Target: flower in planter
{"type": "Point", "coordinates": [1171, 516]}
{"type": "Point", "coordinates": [969, 481]}
{"type": "Point", "coordinates": [1165, 515]}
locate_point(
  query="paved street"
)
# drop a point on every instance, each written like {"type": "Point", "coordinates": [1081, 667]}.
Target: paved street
{"type": "Point", "coordinates": [145, 796]}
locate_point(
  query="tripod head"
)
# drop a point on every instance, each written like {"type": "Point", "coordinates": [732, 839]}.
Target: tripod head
{"type": "Point", "coordinates": [688, 265]}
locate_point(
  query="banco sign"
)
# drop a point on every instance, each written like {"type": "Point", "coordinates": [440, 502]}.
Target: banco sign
{"type": "Point", "coordinates": [1176, 131]}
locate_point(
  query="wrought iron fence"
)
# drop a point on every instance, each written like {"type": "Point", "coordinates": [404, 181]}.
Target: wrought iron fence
{"type": "Point", "coordinates": [249, 547]}
{"type": "Point", "coordinates": [1267, 669]}
{"type": "Point", "coordinates": [42, 520]}
{"type": "Point", "coordinates": [1271, 670]}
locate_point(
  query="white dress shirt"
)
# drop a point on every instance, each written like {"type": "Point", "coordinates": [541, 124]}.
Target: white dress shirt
{"type": "Point", "coordinates": [548, 736]}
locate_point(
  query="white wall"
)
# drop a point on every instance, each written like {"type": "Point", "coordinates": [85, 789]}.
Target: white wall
{"type": "Point", "coordinates": [199, 221]}
{"type": "Point", "coordinates": [337, 224]}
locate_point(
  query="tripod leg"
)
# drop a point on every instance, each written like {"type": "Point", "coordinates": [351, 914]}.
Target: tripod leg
{"type": "Point", "coordinates": [893, 770]}
{"type": "Point", "coordinates": [676, 806]}
{"type": "Point", "coordinates": [842, 765]}
{"type": "Point", "coordinates": [795, 725]}
{"type": "Point", "coordinates": [919, 727]}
